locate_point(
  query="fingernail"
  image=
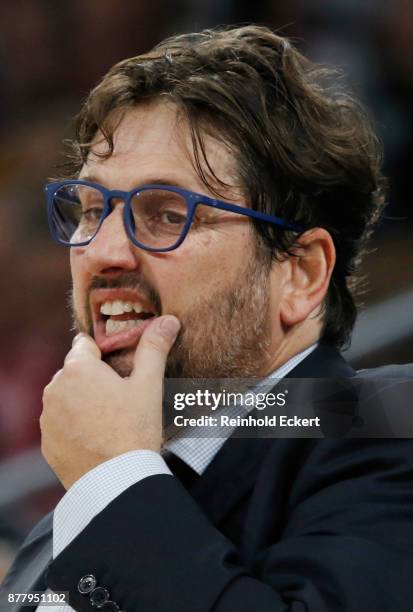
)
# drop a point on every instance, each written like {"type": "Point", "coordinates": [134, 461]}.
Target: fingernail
{"type": "Point", "coordinates": [169, 326]}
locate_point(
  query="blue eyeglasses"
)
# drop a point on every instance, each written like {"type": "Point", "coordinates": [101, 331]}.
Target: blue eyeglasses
{"type": "Point", "coordinates": [156, 217]}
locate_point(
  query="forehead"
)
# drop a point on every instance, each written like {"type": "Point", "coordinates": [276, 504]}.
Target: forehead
{"type": "Point", "coordinates": [154, 142]}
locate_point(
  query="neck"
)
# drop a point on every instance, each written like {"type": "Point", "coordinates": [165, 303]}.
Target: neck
{"type": "Point", "coordinates": [292, 342]}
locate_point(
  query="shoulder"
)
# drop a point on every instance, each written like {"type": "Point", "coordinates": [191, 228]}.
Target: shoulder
{"type": "Point", "coordinates": [385, 401]}
{"type": "Point", "coordinates": [387, 371]}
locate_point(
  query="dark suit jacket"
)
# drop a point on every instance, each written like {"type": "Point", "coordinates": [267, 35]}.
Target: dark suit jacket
{"type": "Point", "coordinates": [277, 525]}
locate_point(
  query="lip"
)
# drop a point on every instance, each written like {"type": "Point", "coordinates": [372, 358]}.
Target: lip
{"type": "Point", "coordinates": [124, 339]}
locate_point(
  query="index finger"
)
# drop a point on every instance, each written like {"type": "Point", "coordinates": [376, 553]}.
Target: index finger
{"type": "Point", "coordinates": [83, 347]}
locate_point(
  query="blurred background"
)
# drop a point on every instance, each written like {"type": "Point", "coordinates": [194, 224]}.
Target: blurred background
{"type": "Point", "coordinates": [51, 54]}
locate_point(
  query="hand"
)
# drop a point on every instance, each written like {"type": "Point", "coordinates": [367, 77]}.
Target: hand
{"type": "Point", "coordinates": [91, 414]}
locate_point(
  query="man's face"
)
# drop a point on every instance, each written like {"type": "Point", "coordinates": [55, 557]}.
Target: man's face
{"type": "Point", "coordinates": [216, 282]}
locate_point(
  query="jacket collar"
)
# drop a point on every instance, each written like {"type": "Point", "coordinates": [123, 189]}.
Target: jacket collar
{"type": "Point", "coordinates": [324, 362]}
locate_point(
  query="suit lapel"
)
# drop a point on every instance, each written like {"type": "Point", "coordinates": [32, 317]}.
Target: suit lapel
{"type": "Point", "coordinates": [229, 476]}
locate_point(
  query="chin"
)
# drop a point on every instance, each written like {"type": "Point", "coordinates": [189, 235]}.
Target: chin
{"type": "Point", "coordinates": [121, 361]}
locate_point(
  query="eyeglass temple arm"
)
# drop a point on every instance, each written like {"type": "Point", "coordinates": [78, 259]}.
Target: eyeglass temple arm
{"type": "Point", "coordinates": [249, 212]}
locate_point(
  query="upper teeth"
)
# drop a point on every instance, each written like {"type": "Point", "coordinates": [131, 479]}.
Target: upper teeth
{"type": "Point", "coordinates": [118, 307]}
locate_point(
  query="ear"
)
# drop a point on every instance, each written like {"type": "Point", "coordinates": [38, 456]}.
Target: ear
{"type": "Point", "coordinates": [306, 276]}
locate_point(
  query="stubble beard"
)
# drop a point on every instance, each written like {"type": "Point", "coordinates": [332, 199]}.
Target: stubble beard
{"type": "Point", "coordinates": [224, 335]}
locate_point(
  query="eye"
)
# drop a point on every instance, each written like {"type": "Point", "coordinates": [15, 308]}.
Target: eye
{"type": "Point", "coordinates": [172, 217]}
{"type": "Point", "coordinates": [91, 214]}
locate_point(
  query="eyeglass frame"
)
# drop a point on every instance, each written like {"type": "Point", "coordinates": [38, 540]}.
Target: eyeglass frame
{"type": "Point", "coordinates": [191, 198]}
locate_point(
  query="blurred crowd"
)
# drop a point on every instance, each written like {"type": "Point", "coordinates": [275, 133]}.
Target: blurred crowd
{"type": "Point", "coordinates": [51, 53]}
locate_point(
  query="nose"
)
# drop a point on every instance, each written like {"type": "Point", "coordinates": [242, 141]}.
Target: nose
{"type": "Point", "coordinates": [111, 251]}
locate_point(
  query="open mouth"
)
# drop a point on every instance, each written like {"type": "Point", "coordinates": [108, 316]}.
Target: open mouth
{"type": "Point", "coordinates": [119, 318]}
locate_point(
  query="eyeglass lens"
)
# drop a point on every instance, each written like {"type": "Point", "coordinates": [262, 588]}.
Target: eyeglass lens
{"type": "Point", "coordinates": [158, 215]}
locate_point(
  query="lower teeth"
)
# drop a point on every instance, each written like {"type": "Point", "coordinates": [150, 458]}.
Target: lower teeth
{"type": "Point", "coordinates": [113, 326]}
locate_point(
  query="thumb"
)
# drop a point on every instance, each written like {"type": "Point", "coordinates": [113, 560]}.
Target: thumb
{"type": "Point", "coordinates": [154, 346]}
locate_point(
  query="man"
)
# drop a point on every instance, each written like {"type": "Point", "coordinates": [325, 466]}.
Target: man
{"type": "Point", "coordinates": [221, 199]}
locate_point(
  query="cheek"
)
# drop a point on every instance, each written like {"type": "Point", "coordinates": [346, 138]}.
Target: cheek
{"type": "Point", "coordinates": [200, 267]}
{"type": "Point", "coordinates": [78, 276]}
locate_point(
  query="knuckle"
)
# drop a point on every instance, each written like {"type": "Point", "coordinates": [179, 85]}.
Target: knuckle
{"type": "Point", "coordinates": [44, 419]}
{"type": "Point", "coordinates": [47, 393]}
{"type": "Point", "coordinates": [50, 387]}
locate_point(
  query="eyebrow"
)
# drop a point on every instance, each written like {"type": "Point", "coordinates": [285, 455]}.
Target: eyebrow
{"type": "Point", "coordinates": [150, 181]}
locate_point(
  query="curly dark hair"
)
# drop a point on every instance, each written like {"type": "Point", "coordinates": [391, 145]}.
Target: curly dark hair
{"type": "Point", "coordinates": [305, 149]}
